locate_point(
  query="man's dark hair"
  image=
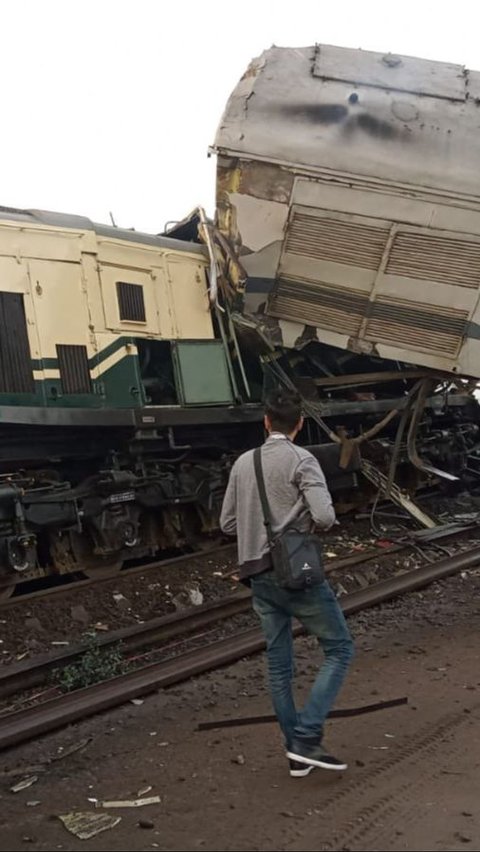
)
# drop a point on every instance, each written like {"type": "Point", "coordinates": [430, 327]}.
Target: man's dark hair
{"type": "Point", "coordinates": [284, 409]}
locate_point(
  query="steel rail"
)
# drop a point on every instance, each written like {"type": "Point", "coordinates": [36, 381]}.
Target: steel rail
{"type": "Point", "coordinates": [127, 571]}
{"type": "Point", "coordinates": [31, 673]}
{"type": "Point", "coordinates": [56, 713]}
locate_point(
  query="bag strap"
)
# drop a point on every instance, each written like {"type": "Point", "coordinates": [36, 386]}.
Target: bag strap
{"type": "Point", "coordinates": [267, 517]}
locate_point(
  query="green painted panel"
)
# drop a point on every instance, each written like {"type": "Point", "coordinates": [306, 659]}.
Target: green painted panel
{"type": "Point", "coordinates": [122, 384]}
{"type": "Point", "coordinates": [202, 372]}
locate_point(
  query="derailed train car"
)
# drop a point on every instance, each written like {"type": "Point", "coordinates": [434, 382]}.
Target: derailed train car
{"type": "Point", "coordinates": [119, 414]}
{"type": "Point", "coordinates": [348, 187]}
{"type": "Point", "coordinates": [344, 261]}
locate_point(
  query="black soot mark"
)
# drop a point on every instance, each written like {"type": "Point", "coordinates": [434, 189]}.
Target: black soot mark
{"type": "Point", "coordinates": [375, 126]}
{"type": "Point", "coordinates": [318, 113]}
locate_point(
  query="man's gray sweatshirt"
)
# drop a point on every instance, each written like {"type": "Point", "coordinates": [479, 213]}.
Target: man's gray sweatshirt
{"type": "Point", "coordinates": [296, 492]}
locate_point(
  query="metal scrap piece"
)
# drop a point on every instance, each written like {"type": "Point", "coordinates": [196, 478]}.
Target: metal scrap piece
{"type": "Point", "coordinates": [86, 825]}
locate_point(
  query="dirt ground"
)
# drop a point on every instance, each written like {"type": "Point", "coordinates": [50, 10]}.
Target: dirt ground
{"type": "Point", "coordinates": [414, 772]}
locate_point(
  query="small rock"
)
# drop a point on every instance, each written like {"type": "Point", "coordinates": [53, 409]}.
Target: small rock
{"type": "Point", "coordinates": [80, 614]}
{"type": "Point", "coordinates": [239, 759]}
{"type": "Point", "coordinates": [287, 814]}
{"type": "Point", "coordinates": [195, 596]}
{"type": "Point", "coordinates": [467, 813]}
{"type": "Point", "coordinates": [33, 644]}
{"type": "Point", "coordinates": [464, 838]}
{"type": "Point", "coordinates": [359, 763]}
{"type": "Point", "coordinates": [146, 823]}
{"type": "Point", "coordinates": [121, 601]}
{"type": "Point", "coordinates": [33, 624]}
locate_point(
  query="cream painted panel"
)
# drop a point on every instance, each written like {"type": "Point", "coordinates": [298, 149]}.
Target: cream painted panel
{"type": "Point", "coordinates": [44, 243]}
{"type": "Point", "coordinates": [60, 304]}
{"type": "Point", "coordinates": [189, 299]}
{"type": "Point", "coordinates": [165, 312]}
{"type": "Point", "coordinates": [109, 275]}
{"type": "Point", "coordinates": [14, 279]}
{"type": "Point", "coordinates": [428, 292]}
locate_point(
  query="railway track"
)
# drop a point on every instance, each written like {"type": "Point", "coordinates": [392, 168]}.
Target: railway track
{"type": "Point", "coordinates": [37, 720]}
{"type": "Point", "coordinates": [412, 539]}
{"type": "Point", "coordinates": [31, 673]}
{"type": "Point", "coordinates": [128, 571]}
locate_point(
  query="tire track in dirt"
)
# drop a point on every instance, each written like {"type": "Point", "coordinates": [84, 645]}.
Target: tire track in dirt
{"type": "Point", "coordinates": [388, 797]}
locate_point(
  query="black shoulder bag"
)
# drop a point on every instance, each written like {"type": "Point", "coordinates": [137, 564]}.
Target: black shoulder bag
{"type": "Point", "coordinates": [296, 556]}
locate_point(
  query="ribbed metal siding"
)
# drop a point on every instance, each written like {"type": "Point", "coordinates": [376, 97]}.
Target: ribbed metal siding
{"type": "Point", "coordinates": [16, 374]}
{"type": "Point", "coordinates": [131, 303]}
{"type": "Point", "coordinates": [415, 325]}
{"type": "Point", "coordinates": [434, 258]}
{"type": "Point", "coordinates": [327, 306]}
{"type": "Point", "coordinates": [336, 241]}
{"type": "Point", "coordinates": [74, 371]}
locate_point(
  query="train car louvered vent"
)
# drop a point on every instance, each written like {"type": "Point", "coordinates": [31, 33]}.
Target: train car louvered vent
{"type": "Point", "coordinates": [131, 303]}
{"type": "Point", "coordinates": [327, 306]}
{"type": "Point", "coordinates": [74, 371]}
{"type": "Point", "coordinates": [16, 374]}
{"type": "Point", "coordinates": [336, 241]}
{"type": "Point", "coordinates": [415, 325]}
{"type": "Point", "coordinates": [435, 258]}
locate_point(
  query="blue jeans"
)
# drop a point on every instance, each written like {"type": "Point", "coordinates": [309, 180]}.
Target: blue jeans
{"type": "Point", "coordinates": [319, 612]}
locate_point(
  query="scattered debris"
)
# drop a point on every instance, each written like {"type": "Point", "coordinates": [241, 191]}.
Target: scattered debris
{"type": "Point", "coordinates": [33, 803]}
{"type": "Point", "coordinates": [144, 791]}
{"type": "Point", "coordinates": [100, 626]}
{"type": "Point", "coordinates": [66, 752]}
{"type": "Point", "coordinates": [146, 823]}
{"type": "Point", "coordinates": [87, 825]}
{"type": "Point", "coordinates": [64, 642]}
{"type": "Point", "coordinates": [130, 803]}
{"type": "Point", "coordinates": [195, 596]}
{"type": "Point", "coordinates": [137, 701]}
{"type": "Point", "coordinates": [22, 785]}
{"type": "Point", "coordinates": [80, 614]}
{"type": "Point", "coordinates": [34, 624]}
{"type": "Point", "coordinates": [121, 600]}
{"type": "Point", "coordinates": [240, 759]}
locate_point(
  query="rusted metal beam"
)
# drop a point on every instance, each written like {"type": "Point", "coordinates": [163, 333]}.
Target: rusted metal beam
{"type": "Point", "coordinates": [373, 378]}
{"type": "Point", "coordinates": [266, 718]}
{"type": "Point", "coordinates": [374, 475]}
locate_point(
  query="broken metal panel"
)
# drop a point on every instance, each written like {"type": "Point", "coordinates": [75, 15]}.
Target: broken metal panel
{"type": "Point", "coordinates": [337, 188]}
{"type": "Point", "coordinates": [283, 113]}
{"type": "Point", "coordinates": [390, 71]}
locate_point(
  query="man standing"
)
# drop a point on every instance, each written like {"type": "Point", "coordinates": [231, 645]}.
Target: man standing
{"type": "Point", "coordinates": [296, 492]}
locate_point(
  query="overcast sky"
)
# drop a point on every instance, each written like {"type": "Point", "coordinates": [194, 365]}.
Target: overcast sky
{"type": "Point", "coordinates": [112, 105]}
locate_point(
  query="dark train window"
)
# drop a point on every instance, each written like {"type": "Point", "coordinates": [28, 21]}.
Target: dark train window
{"type": "Point", "coordinates": [130, 302]}
{"type": "Point", "coordinates": [74, 372]}
{"type": "Point", "coordinates": [16, 374]}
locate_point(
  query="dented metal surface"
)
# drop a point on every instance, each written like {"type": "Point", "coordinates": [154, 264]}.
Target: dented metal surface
{"type": "Point", "coordinates": [348, 183]}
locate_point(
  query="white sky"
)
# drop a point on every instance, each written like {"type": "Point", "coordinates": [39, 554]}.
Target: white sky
{"type": "Point", "coordinates": [112, 105]}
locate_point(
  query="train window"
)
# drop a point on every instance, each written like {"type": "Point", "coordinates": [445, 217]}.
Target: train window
{"type": "Point", "coordinates": [131, 302]}
{"type": "Point", "coordinates": [15, 360]}
{"type": "Point", "coordinates": [74, 370]}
